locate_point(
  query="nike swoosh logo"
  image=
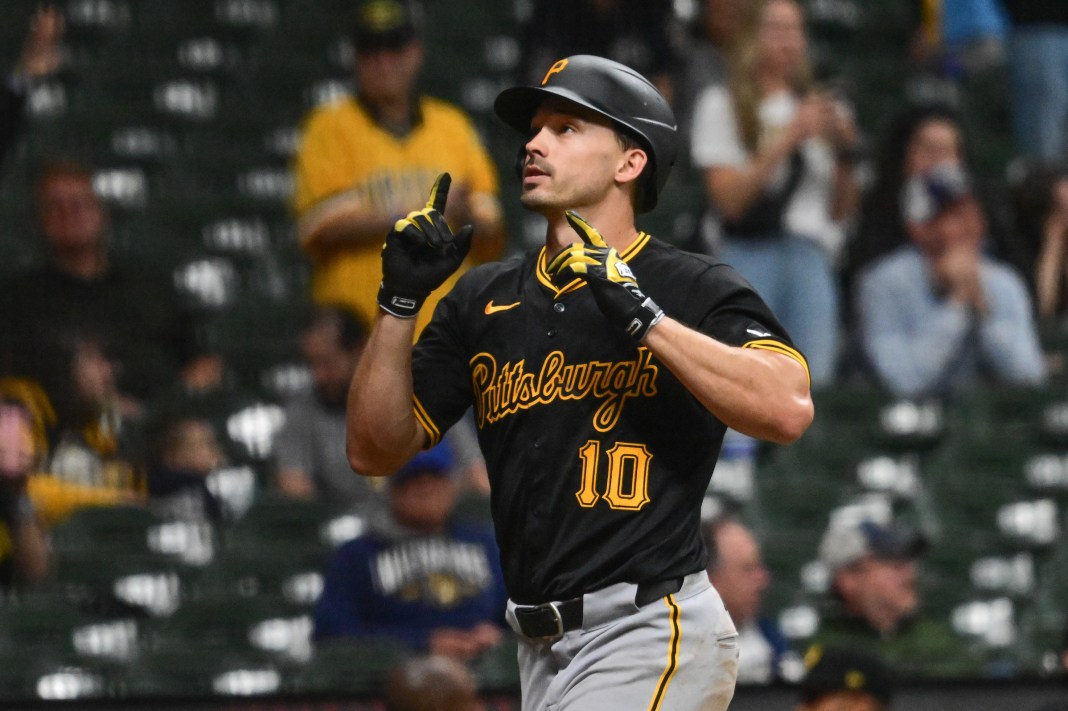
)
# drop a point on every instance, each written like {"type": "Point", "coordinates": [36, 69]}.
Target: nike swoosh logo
{"type": "Point", "coordinates": [757, 333]}
{"type": "Point", "coordinates": [492, 308]}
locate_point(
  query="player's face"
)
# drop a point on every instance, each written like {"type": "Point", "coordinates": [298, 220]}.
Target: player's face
{"type": "Point", "coordinates": [571, 158]}
{"type": "Point", "coordinates": [70, 214]}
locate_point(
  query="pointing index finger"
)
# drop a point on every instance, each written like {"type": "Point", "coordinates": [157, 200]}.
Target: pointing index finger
{"type": "Point", "coordinates": [587, 232]}
{"type": "Point", "coordinates": [439, 193]}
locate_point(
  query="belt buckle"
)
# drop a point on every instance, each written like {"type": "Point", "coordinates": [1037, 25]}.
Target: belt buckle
{"type": "Point", "coordinates": [557, 617]}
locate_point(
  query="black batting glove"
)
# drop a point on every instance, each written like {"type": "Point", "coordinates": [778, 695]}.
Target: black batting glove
{"type": "Point", "coordinates": [420, 253]}
{"type": "Point", "coordinates": [610, 279]}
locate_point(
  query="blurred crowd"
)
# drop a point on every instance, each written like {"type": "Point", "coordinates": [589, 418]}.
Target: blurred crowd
{"type": "Point", "coordinates": [896, 261]}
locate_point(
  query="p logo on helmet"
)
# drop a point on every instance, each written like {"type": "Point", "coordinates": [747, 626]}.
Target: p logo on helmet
{"type": "Point", "coordinates": [554, 69]}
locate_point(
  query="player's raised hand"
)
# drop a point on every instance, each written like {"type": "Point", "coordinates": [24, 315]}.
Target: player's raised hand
{"type": "Point", "coordinates": [420, 253]}
{"type": "Point", "coordinates": [610, 279]}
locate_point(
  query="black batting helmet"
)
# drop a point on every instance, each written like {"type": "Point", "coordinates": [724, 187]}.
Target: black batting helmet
{"type": "Point", "coordinates": [618, 93]}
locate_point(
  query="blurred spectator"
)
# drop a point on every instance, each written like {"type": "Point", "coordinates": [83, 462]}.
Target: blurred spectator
{"type": "Point", "coordinates": [429, 582]}
{"type": "Point", "coordinates": [40, 57]}
{"type": "Point", "coordinates": [23, 550]}
{"type": "Point", "coordinates": [637, 33]}
{"type": "Point", "coordinates": [737, 572]}
{"type": "Point", "coordinates": [961, 37]}
{"type": "Point", "coordinates": [431, 683]}
{"type": "Point", "coordinates": [309, 451]}
{"type": "Point", "coordinates": [365, 160]}
{"type": "Point", "coordinates": [777, 156]}
{"type": "Point", "coordinates": [841, 679]}
{"type": "Point", "coordinates": [919, 138]}
{"type": "Point", "coordinates": [1041, 206]}
{"type": "Point", "coordinates": [184, 452]}
{"type": "Point", "coordinates": [874, 604]}
{"type": "Point", "coordinates": [52, 497]}
{"type": "Point", "coordinates": [91, 460]}
{"type": "Point", "coordinates": [1038, 70]}
{"type": "Point", "coordinates": [83, 291]}
{"type": "Point", "coordinates": [706, 53]}
{"type": "Point", "coordinates": [938, 315]}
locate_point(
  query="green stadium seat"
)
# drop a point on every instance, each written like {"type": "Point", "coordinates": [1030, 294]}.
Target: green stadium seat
{"type": "Point", "coordinates": [30, 681]}
{"type": "Point", "coordinates": [284, 573]}
{"type": "Point", "coordinates": [283, 522]}
{"type": "Point", "coordinates": [357, 666]}
{"type": "Point", "coordinates": [497, 668]}
{"type": "Point", "coordinates": [255, 625]}
{"type": "Point", "coordinates": [188, 671]}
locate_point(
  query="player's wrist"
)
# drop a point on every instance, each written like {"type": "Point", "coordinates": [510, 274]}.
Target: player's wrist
{"type": "Point", "coordinates": [644, 318]}
{"type": "Point", "coordinates": [398, 303]}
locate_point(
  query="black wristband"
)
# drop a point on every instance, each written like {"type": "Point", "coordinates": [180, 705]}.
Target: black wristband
{"type": "Point", "coordinates": [647, 315]}
{"type": "Point", "coordinates": [399, 305]}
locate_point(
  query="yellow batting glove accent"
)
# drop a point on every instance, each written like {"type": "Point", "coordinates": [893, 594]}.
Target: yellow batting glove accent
{"type": "Point", "coordinates": [439, 193]}
{"type": "Point", "coordinates": [587, 232]}
{"type": "Point", "coordinates": [571, 252]}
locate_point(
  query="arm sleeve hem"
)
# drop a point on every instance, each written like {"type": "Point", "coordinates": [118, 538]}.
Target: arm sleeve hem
{"type": "Point", "coordinates": [780, 347]}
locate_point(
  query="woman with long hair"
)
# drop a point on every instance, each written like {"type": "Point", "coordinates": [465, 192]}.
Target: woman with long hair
{"type": "Point", "coordinates": [777, 155]}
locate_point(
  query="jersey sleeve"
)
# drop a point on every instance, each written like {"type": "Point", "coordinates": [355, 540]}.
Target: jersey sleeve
{"type": "Point", "coordinates": [440, 367]}
{"type": "Point", "coordinates": [737, 316]}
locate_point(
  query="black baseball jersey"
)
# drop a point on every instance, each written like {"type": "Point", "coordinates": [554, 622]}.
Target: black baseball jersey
{"type": "Point", "coordinates": [598, 456]}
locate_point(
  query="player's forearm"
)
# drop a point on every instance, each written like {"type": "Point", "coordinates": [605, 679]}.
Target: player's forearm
{"type": "Point", "coordinates": [341, 223]}
{"type": "Point", "coordinates": [382, 432]}
{"type": "Point", "coordinates": [756, 392]}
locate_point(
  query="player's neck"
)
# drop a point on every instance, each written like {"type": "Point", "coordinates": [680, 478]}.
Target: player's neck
{"type": "Point", "coordinates": [616, 226]}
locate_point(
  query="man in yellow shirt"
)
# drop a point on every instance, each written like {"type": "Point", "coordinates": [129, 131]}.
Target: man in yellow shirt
{"type": "Point", "coordinates": [364, 160]}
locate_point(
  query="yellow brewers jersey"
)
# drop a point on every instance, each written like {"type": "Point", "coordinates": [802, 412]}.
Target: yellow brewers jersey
{"type": "Point", "coordinates": [345, 153]}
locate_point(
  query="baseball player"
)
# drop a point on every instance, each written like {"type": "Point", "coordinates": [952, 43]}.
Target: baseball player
{"type": "Point", "coordinates": [603, 370]}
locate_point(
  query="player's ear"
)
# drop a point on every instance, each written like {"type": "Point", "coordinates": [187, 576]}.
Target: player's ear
{"type": "Point", "coordinates": [631, 165]}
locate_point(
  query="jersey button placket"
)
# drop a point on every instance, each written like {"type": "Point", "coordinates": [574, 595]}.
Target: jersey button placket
{"type": "Point", "coordinates": [559, 308]}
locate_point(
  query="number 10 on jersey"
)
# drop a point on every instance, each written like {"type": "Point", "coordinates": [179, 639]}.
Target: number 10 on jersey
{"type": "Point", "coordinates": [626, 482]}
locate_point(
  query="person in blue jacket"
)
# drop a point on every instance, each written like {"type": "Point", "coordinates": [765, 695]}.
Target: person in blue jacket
{"type": "Point", "coordinates": [419, 577]}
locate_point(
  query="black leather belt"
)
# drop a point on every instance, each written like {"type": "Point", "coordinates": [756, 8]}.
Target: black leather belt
{"type": "Point", "coordinates": [553, 619]}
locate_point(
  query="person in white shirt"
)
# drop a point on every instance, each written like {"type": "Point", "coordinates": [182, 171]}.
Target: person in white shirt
{"type": "Point", "coordinates": [777, 157]}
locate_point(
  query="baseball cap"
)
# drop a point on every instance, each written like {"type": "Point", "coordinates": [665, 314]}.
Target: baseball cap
{"type": "Point", "coordinates": [382, 24]}
{"type": "Point", "coordinates": [847, 543]}
{"type": "Point", "coordinates": [926, 195]}
{"type": "Point", "coordinates": [436, 461]}
{"type": "Point", "coordinates": [831, 669]}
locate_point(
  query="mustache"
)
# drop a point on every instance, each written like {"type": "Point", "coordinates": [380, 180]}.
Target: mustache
{"type": "Point", "coordinates": [533, 162]}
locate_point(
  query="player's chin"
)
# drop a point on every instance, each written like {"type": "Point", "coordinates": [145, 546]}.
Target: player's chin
{"type": "Point", "coordinates": [533, 198]}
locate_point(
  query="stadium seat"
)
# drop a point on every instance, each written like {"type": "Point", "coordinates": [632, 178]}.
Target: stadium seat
{"type": "Point", "coordinates": [288, 573]}
{"type": "Point", "coordinates": [255, 625]}
{"type": "Point", "coordinates": [350, 666]}
{"type": "Point", "coordinates": [97, 529]}
{"type": "Point", "coordinates": [27, 681]}
{"type": "Point", "coordinates": [497, 668]}
{"type": "Point", "coordinates": [40, 624]}
{"type": "Point", "coordinates": [283, 522]}
{"type": "Point", "coordinates": [186, 671]}
{"type": "Point", "coordinates": [111, 584]}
